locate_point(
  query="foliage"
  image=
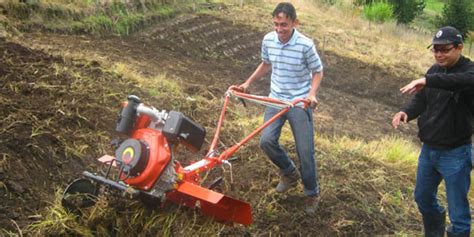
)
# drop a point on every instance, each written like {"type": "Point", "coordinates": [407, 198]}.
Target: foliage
{"type": "Point", "coordinates": [98, 22]}
{"type": "Point", "coordinates": [378, 12]}
{"type": "Point", "coordinates": [406, 10]}
{"type": "Point", "coordinates": [358, 3]}
{"type": "Point", "coordinates": [459, 14]}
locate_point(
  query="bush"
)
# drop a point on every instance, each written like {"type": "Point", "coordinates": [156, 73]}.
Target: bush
{"type": "Point", "coordinates": [407, 10]}
{"type": "Point", "coordinates": [459, 14]}
{"type": "Point", "coordinates": [378, 12]}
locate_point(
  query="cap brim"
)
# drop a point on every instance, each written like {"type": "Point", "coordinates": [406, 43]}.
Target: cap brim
{"type": "Point", "coordinates": [441, 42]}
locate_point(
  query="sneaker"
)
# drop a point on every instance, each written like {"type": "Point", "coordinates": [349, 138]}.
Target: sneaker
{"type": "Point", "coordinates": [287, 181]}
{"type": "Point", "coordinates": [311, 204]}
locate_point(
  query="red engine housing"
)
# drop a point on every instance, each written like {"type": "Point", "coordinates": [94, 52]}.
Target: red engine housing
{"type": "Point", "coordinates": [159, 155]}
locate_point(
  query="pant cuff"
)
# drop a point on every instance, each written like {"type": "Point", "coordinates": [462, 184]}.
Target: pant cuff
{"type": "Point", "coordinates": [311, 193]}
{"type": "Point", "coordinates": [288, 170]}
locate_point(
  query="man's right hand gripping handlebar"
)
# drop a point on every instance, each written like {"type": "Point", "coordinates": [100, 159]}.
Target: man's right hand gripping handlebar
{"type": "Point", "coordinates": [242, 87]}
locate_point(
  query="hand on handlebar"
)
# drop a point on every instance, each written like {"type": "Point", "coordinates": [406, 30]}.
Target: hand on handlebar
{"type": "Point", "coordinates": [243, 87]}
{"type": "Point", "coordinates": [312, 101]}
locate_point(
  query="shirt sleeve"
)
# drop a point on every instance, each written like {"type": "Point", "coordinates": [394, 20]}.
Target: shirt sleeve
{"type": "Point", "coordinates": [416, 106]}
{"type": "Point", "coordinates": [264, 54]}
{"type": "Point", "coordinates": [312, 60]}
{"type": "Point", "coordinates": [452, 81]}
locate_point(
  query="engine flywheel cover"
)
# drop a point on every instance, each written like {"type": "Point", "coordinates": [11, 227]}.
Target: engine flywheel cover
{"type": "Point", "coordinates": [133, 154]}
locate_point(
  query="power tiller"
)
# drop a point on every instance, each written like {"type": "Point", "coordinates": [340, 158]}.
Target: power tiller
{"type": "Point", "coordinates": [144, 167]}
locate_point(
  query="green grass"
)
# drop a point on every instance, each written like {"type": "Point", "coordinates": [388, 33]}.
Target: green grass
{"type": "Point", "coordinates": [426, 21]}
{"type": "Point", "coordinates": [96, 23]}
{"type": "Point", "coordinates": [434, 5]}
{"type": "Point", "coordinates": [56, 16]}
{"type": "Point", "coordinates": [378, 12]}
{"type": "Point", "coordinates": [391, 150]}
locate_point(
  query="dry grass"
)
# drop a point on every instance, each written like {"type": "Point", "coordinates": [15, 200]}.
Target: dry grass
{"type": "Point", "coordinates": [367, 186]}
{"type": "Point", "coordinates": [394, 151]}
{"type": "Point", "coordinates": [344, 32]}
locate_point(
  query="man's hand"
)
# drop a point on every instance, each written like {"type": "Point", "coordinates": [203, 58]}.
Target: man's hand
{"type": "Point", "coordinates": [244, 86]}
{"type": "Point", "coordinates": [313, 101]}
{"type": "Point", "coordinates": [414, 86]}
{"type": "Point", "coordinates": [400, 116]}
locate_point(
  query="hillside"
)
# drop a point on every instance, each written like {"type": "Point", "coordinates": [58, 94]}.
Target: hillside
{"type": "Point", "coordinates": [61, 93]}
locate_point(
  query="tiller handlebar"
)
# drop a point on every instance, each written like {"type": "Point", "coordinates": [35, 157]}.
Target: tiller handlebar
{"type": "Point", "coordinates": [145, 163]}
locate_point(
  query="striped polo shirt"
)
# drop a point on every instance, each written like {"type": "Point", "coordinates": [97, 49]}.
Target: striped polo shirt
{"type": "Point", "coordinates": [293, 64]}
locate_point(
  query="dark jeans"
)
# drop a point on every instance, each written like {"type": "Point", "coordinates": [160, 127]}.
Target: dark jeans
{"type": "Point", "coordinates": [301, 122]}
{"type": "Point", "coordinates": [454, 166]}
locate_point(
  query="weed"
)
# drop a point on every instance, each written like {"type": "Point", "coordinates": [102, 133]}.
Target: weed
{"type": "Point", "coordinates": [35, 131]}
{"type": "Point", "coordinates": [164, 11]}
{"type": "Point", "coordinates": [80, 17]}
{"type": "Point", "coordinates": [158, 86]}
{"type": "Point", "coordinates": [378, 12]}
{"type": "Point", "coordinates": [58, 221]}
{"type": "Point", "coordinates": [97, 23]}
{"type": "Point", "coordinates": [6, 233]}
{"type": "Point", "coordinates": [388, 149]}
{"type": "Point", "coordinates": [128, 23]}
{"type": "Point", "coordinates": [4, 161]}
{"type": "Point", "coordinates": [394, 150]}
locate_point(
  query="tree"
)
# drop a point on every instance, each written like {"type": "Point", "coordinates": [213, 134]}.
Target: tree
{"type": "Point", "coordinates": [459, 14]}
{"type": "Point", "coordinates": [407, 10]}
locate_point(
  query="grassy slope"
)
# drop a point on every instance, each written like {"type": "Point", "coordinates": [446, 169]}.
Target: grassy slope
{"type": "Point", "coordinates": [434, 5]}
{"type": "Point", "coordinates": [345, 34]}
{"type": "Point", "coordinates": [87, 16]}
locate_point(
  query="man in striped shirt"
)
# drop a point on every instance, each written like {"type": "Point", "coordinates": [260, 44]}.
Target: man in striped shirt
{"type": "Point", "coordinates": [296, 73]}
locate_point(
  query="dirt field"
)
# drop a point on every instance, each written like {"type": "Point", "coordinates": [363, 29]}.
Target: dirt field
{"type": "Point", "coordinates": [203, 52]}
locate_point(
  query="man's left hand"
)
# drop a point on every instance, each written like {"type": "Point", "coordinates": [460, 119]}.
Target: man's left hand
{"type": "Point", "coordinates": [313, 101]}
{"type": "Point", "coordinates": [414, 86]}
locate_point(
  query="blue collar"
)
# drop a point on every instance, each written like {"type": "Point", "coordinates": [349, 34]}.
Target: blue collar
{"type": "Point", "coordinates": [292, 40]}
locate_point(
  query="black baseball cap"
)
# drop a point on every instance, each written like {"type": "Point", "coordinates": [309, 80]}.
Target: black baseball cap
{"type": "Point", "coordinates": [447, 35]}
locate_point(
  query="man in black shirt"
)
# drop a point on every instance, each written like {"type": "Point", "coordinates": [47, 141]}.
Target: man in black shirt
{"type": "Point", "coordinates": [443, 105]}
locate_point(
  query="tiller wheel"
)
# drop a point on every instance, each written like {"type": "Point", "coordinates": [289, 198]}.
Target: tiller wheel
{"type": "Point", "coordinates": [79, 194]}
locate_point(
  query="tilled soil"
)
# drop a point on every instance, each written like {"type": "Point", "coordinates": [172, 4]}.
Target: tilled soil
{"type": "Point", "coordinates": [42, 107]}
{"type": "Point", "coordinates": [49, 123]}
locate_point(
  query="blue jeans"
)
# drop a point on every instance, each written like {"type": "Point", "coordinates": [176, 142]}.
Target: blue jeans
{"type": "Point", "coordinates": [301, 122]}
{"type": "Point", "coordinates": [454, 166]}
